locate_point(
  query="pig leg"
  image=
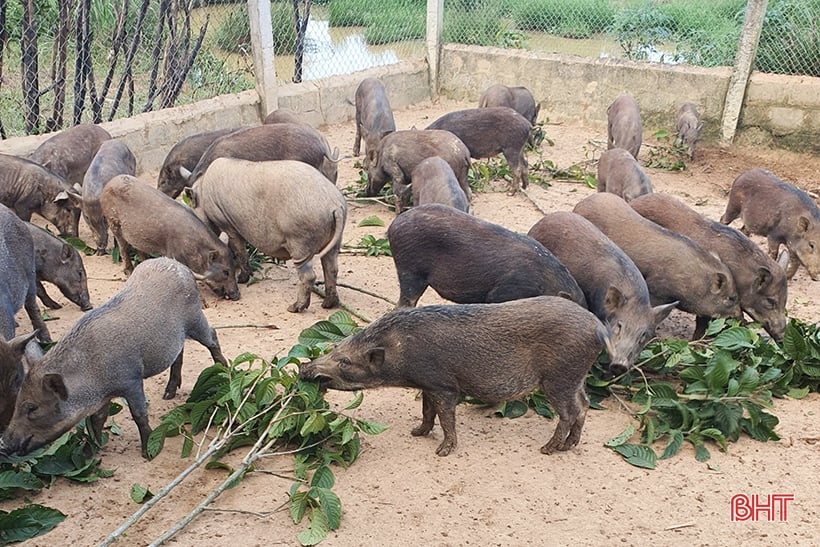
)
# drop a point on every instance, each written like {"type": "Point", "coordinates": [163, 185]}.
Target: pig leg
{"type": "Point", "coordinates": [174, 379]}
{"type": "Point", "coordinates": [45, 298]}
{"type": "Point", "coordinates": [411, 287]}
{"type": "Point", "coordinates": [701, 322]}
{"type": "Point", "coordinates": [307, 277]}
{"type": "Point", "coordinates": [206, 336]}
{"type": "Point", "coordinates": [428, 416]}
{"type": "Point", "coordinates": [330, 269]}
{"type": "Point", "coordinates": [98, 420]}
{"type": "Point", "coordinates": [33, 311]}
{"type": "Point", "coordinates": [240, 251]}
{"type": "Point", "coordinates": [575, 431]}
{"type": "Point", "coordinates": [357, 140]}
{"type": "Point", "coordinates": [569, 412]}
{"type": "Point", "coordinates": [135, 397]}
{"type": "Point", "coordinates": [444, 404]}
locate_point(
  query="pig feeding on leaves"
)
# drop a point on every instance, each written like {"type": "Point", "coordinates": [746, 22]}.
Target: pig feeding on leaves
{"type": "Point", "coordinates": [433, 181]}
{"type": "Point", "coordinates": [518, 98]}
{"type": "Point", "coordinates": [18, 277]}
{"type": "Point", "coordinates": [286, 209]}
{"type": "Point", "coordinates": [11, 374]}
{"type": "Point", "coordinates": [154, 224]}
{"type": "Point", "coordinates": [494, 352]}
{"type": "Point", "coordinates": [27, 187]}
{"type": "Point", "coordinates": [182, 159]}
{"type": "Point", "coordinates": [675, 267]}
{"type": "Point", "coordinates": [687, 126]}
{"type": "Point", "coordinates": [490, 131]}
{"type": "Point", "coordinates": [620, 174]}
{"type": "Point", "coordinates": [138, 333]}
{"type": "Point", "coordinates": [60, 264]}
{"type": "Point", "coordinates": [69, 153]}
{"type": "Point", "coordinates": [374, 117]}
{"type": "Point", "coordinates": [400, 152]}
{"type": "Point", "coordinates": [614, 288]}
{"type": "Point", "coordinates": [780, 211]}
{"type": "Point", "coordinates": [624, 129]}
{"type": "Point", "coordinates": [760, 281]}
{"type": "Point", "coordinates": [468, 260]}
{"type": "Point", "coordinates": [112, 159]}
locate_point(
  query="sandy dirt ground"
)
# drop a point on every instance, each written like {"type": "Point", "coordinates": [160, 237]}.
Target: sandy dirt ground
{"type": "Point", "coordinates": [497, 488]}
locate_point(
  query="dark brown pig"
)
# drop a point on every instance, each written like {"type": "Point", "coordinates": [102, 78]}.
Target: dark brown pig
{"type": "Point", "coordinates": [112, 159]}
{"type": "Point", "coordinates": [286, 209]}
{"type": "Point", "coordinates": [183, 157]}
{"type": "Point", "coordinates": [433, 181]}
{"type": "Point", "coordinates": [490, 131]}
{"type": "Point", "coordinates": [518, 98]}
{"type": "Point", "coordinates": [69, 152]}
{"type": "Point", "coordinates": [614, 288]}
{"type": "Point", "coordinates": [58, 263]}
{"type": "Point", "coordinates": [27, 187]}
{"type": "Point", "coordinates": [619, 173]}
{"type": "Point", "coordinates": [374, 117]}
{"type": "Point", "coordinates": [283, 115]}
{"type": "Point", "coordinates": [151, 222]}
{"type": "Point", "coordinates": [11, 374]}
{"type": "Point", "coordinates": [624, 128]}
{"type": "Point", "coordinates": [468, 260]}
{"type": "Point", "coordinates": [138, 333]}
{"type": "Point", "coordinates": [400, 152]}
{"type": "Point", "coordinates": [675, 268]}
{"type": "Point", "coordinates": [760, 281]}
{"type": "Point", "coordinates": [687, 126]}
{"type": "Point", "coordinates": [494, 352]}
{"type": "Point", "coordinates": [276, 141]}
{"type": "Point", "coordinates": [18, 277]}
{"type": "Point", "coordinates": [780, 211]}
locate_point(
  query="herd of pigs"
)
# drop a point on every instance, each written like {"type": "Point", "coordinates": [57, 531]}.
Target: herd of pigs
{"type": "Point", "coordinates": [529, 310]}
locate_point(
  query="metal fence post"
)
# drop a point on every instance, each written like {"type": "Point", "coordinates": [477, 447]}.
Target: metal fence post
{"type": "Point", "coordinates": [747, 48]}
{"type": "Point", "coordinates": [264, 71]}
{"type": "Point", "coordinates": [435, 20]}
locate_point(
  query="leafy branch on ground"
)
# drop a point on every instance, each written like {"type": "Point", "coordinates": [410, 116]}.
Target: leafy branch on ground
{"type": "Point", "coordinates": [370, 245]}
{"type": "Point", "coordinates": [668, 154]}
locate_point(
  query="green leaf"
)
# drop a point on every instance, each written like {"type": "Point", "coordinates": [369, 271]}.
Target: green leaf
{"type": "Point", "coordinates": [715, 326]}
{"type": "Point", "coordinates": [298, 504]}
{"type": "Point", "coordinates": [28, 522]}
{"type": "Point", "coordinates": [331, 506]}
{"type": "Point", "coordinates": [796, 393]}
{"type": "Point", "coordinates": [701, 452]}
{"type": "Point", "coordinates": [314, 424]}
{"type": "Point", "coordinates": [621, 438]}
{"type": "Point", "coordinates": [321, 333]}
{"type": "Point", "coordinates": [674, 445]}
{"type": "Point", "coordinates": [511, 409]}
{"type": "Point", "coordinates": [12, 479]}
{"type": "Point", "coordinates": [718, 370]}
{"type": "Point", "coordinates": [372, 220]}
{"type": "Point", "coordinates": [794, 344]}
{"type": "Point", "coordinates": [716, 436]}
{"type": "Point", "coordinates": [318, 529]}
{"type": "Point", "coordinates": [735, 338]}
{"type": "Point", "coordinates": [357, 400]}
{"type": "Point", "coordinates": [638, 455]}
{"type": "Point", "coordinates": [140, 494]}
{"type": "Point", "coordinates": [371, 428]}
{"type": "Point", "coordinates": [156, 440]}
{"type": "Point", "coordinates": [323, 477]}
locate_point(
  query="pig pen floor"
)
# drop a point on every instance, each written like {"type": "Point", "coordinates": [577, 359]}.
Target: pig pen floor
{"type": "Point", "coordinates": [496, 488]}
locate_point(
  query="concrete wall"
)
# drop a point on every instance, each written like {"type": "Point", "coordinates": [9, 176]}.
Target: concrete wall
{"type": "Point", "coordinates": [152, 134]}
{"type": "Point", "coordinates": [779, 110]}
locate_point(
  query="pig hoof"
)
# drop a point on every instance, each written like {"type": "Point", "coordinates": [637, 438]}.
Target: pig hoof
{"type": "Point", "coordinates": [445, 448]}
{"type": "Point", "coordinates": [243, 277]}
{"type": "Point", "coordinates": [296, 308]}
{"type": "Point", "coordinates": [421, 430]}
{"type": "Point", "coordinates": [170, 394]}
{"type": "Point", "coordinates": [54, 306]}
{"type": "Point", "coordinates": [100, 252]}
{"type": "Point", "coordinates": [330, 302]}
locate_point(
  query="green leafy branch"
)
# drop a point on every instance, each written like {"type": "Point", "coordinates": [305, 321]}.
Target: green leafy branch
{"type": "Point", "coordinates": [669, 154]}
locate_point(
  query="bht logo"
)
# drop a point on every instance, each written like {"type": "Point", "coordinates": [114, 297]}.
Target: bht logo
{"type": "Point", "coordinates": [774, 507]}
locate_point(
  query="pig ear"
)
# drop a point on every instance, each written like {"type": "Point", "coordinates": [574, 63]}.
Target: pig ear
{"type": "Point", "coordinates": [18, 343]}
{"type": "Point", "coordinates": [719, 282]}
{"type": "Point", "coordinates": [762, 279]}
{"type": "Point", "coordinates": [76, 199]}
{"type": "Point", "coordinates": [184, 173]}
{"type": "Point", "coordinates": [613, 300]}
{"type": "Point", "coordinates": [62, 196]}
{"type": "Point", "coordinates": [783, 258]}
{"type": "Point", "coordinates": [54, 383]}
{"type": "Point", "coordinates": [66, 252]}
{"type": "Point", "coordinates": [376, 357]}
{"type": "Point", "coordinates": [661, 312]}
{"type": "Point", "coordinates": [213, 254]}
{"type": "Point", "coordinates": [803, 224]}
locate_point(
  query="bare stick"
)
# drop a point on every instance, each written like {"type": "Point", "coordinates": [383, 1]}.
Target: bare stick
{"type": "Point", "coordinates": [679, 526]}
{"type": "Point", "coordinates": [368, 293]}
{"type": "Point", "coordinates": [345, 307]}
{"type": "Point", "coordinates": [536, 205]}
{"type": "Point", "coordinates": [247, 326]}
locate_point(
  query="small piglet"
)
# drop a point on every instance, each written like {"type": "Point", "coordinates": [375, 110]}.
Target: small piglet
{"type": "Point", "coordinates": [780, 211]}
{"type": "Point", "coordinates": [518, 98]}
{"type": "Point", "coordinates": [760, 281]}
{"type": "Point", "coordinates": [433, 181]}
{"type": "Point", "coordinates": [490, 131]}
{"type": "Point", "coordinates": [494, 352]}
{"type": "Point", "coordinates": [614, 288]}
{"type": "Point", "coordinates": [58, 263]}
{"type": "Point", "coordinates": [624, 128]}
{"type": "Point", "coordinates": [137, 334]}
{"type": "Point", "coordinates": [675, 267]}
{"type": "Point", "coordinates": [687, 126]}
{"type": "Point", "coordinates": [619, 173]}
{"type": "Point", "coordinates": [374, 117]}
{"type": "Point", "coordinates": [112, 159]}
{"type": "Point", "coordinates": [69, 153]}
{"type": "Point", "coordinates": [468, 260]}
{"type": "Point", "coordinates": [183, 157]}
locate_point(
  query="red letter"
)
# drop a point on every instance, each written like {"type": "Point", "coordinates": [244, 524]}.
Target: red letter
{"type": "Point", "coordinates": [783, 500]}
{"type": "Point", "coordinates": [759, 507]}
{"type": "Point", "coordinates": [740, 509]}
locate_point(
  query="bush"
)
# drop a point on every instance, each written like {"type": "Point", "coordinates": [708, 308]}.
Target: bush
{"type": "Point", "coordinates": [571, 18]}
{"type": "Point", "coordinates": [234, 32]}
{"type": "Point", "coordinates": [392, 26]}
{"type": "Point", "coordinates": [790, 41]}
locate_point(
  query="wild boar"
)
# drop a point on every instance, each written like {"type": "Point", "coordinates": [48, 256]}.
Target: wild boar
{"type": "Point", "coordinates": [620, 174]}
{"type": "Point", "coordinates": [518, 98]}
{"type": "Point", "coordinates": [374, 117]}
{"type": "Point", "coordinates": [58, 263]}
{"type": "Point", "coordinates": [468, 260]}
{"type": "Point", "coordinates": [675, 267]}
{"type": "Point", "coordinates": [11, 374]}
{"type": "Point", "coordinates": [283, 115]}
{"type": "Point", "coordinates": [490, 131]}
{"type": "Point", "coordinates": [276, 141]}
{"type": "Point", "coordinates": [624, 128]}
{"type": "Point", "coordinates": [687, 126]}
{"type": "Point", "coordinates": [286, 209]}
{"type": "Point", "coordinates": [69, 152]}
{"type": "Point", "coordinates": [433, 181]}
{"type": "Point", "coordinates": [760, 281]}
{"type": "Point", "coordinates": [780, 211]}
{"type": "Point", "coordinates": [137, 334]}
{"type": "Point", "coordinates": [153, 223]}
{"type": "Point", "coordinates": [112, 159]}
{"type": "Point", "coordinates": [18, 278]}
{"type": "Point", "coordinates": [183, 157]}
{"type": "Point", "coordinates": [27, 187]}
{"type": "Point", "coordinates": [400, 152]}
{"type": "Point", "coordinates": [494, 352]}
{"type": "Point", "coordinates": [613, 287]}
